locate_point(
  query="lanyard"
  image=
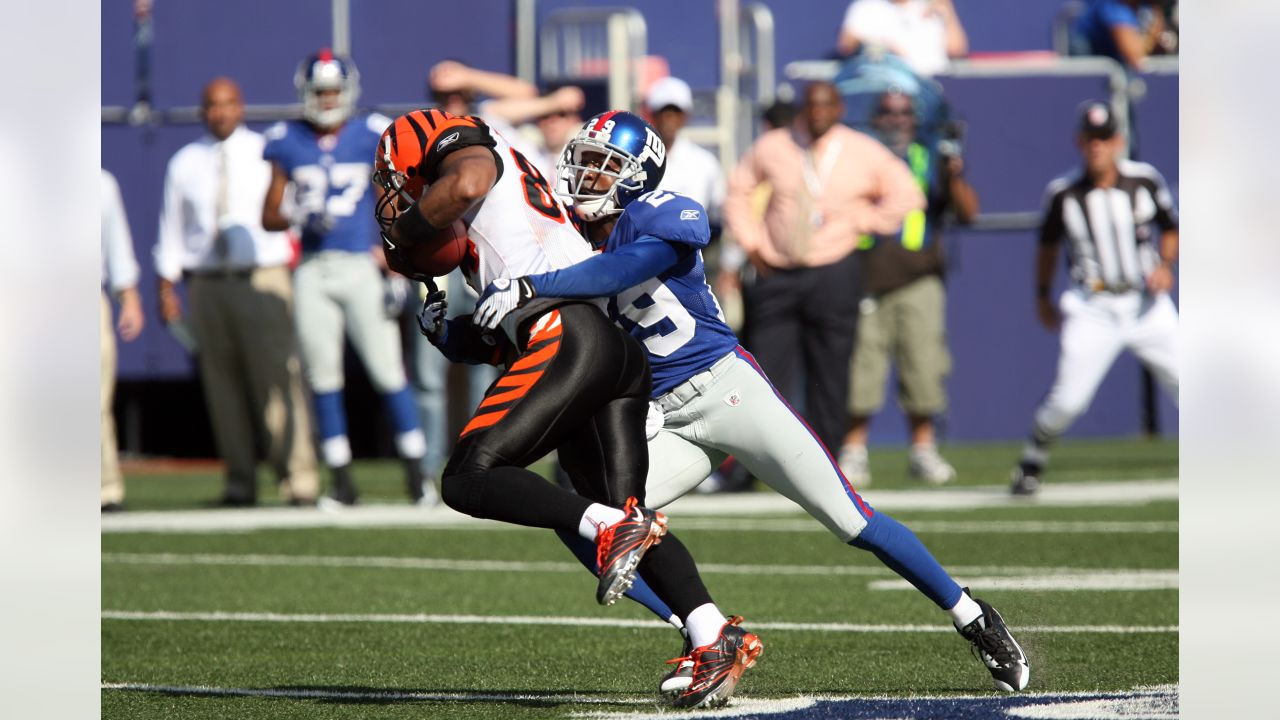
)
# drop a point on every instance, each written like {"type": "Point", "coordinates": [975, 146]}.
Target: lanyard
{"type": "Point", "coordinates": [813, 178]}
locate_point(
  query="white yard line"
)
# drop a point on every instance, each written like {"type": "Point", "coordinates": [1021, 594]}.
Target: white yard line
{"type": "Point", "coordinates": [1069, 582]}
{"type": "Point", "coordinates": [692, 510]}
{"type": "Point", "coordinates": [424, 619]}
{"type": "Point", "coordinates": [1001, 574]}
{"type": "Point", "coordinates": [301, 694]}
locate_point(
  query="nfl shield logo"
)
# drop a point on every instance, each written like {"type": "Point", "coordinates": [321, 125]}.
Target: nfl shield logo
{"type": "Point", "coordinates": [733, 399]}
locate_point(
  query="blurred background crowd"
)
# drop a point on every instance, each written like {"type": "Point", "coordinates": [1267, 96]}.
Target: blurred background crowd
{"type": "Point", "coordinates": [880, 176]}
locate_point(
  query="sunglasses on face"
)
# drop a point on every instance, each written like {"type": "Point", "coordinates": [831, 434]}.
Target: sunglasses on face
{"type": "Point", "coordinates": [895, 112]}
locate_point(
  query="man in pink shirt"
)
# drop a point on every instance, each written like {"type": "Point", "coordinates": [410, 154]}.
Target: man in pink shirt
{"type": "Point", "coordinates": [830, 184]}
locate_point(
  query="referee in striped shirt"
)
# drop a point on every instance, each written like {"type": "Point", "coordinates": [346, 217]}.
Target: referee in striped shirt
{"type": "Point", "coordinates": [1121, 231]}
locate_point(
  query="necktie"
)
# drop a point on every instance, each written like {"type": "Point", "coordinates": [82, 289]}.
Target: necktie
{"type": "Point", "coordinates": [221, 251]}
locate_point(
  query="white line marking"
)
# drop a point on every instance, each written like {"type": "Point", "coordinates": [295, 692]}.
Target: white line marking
{"type": "Point", "coordinates": [1101, 580]}
{"type": "Point", "coordinates": [424, 619]}
{"type": "Point", "coordinates": [509, 566]}
{"type": "Point", "coordinates": [1129, 492]}
{"type": "Point", "coordinates": [301, 694]}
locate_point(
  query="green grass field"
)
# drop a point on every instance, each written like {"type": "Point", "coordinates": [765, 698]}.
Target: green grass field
{"type": "Point", "coordinates": [417, 622]}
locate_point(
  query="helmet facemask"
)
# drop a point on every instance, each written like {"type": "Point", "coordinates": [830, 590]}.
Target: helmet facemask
{"type": "Point", "coordinates": [400, 189]}
{"type": "Point", "coordinates": [328, 75]}
{"type": "Point", "coordinates": [582, 164]}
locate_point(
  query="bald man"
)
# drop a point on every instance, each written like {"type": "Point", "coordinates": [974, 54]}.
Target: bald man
{"type": "Point", "coordinates": [241, 301]}
{"type": "Point", "coordinates": [830, 185]}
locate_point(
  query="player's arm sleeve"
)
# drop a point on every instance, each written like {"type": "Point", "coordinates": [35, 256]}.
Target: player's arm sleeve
{"type": "Point", "coordinates": [1166, 214]}
{"type": "Point", "coordinates": [467, 344]}
{"type": "Point", "coordinates": [610, 273]}
{"type": "Point", "coordinates": [1051, 226]}
{"type": "Point", "coordinates": [168, 250]}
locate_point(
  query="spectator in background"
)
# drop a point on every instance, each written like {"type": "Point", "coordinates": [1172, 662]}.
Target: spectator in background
{"type": "Point", "coordinates": [241, 301]}
{"type": "Point", "coordinates": [904, 313]}
{"type": "Point", "coordinates": [1112, 28]}
{"type": "Point", "coordinates": [926, 34]}
{"type": "Point", "coordinates": [691, 169]}
{"type": "Point", "coordinates": [120, 276]}
{"type": "Point", "coordinates": [327, 159]}
{"type": "Point", "coordinates": [831, 184]}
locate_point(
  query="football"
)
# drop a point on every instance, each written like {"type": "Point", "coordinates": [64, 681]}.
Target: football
{"type": "Point", "coordinates": [441, 252]}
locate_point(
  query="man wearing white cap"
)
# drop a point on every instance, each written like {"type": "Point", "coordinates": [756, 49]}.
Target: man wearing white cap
{"type": "Point", "coordinates": [691, 170]}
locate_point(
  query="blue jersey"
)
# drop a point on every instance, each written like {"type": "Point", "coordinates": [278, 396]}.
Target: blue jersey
{"type": "Point", "coordinates": [1095, 24]}
{"type": "Point", "coordinates": [331, 175]}
{"type": "Point", "coordinates": [673, 314]}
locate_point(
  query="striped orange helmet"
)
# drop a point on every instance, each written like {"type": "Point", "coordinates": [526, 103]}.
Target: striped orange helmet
{"type": "Point", "coordinates": [398, 166]}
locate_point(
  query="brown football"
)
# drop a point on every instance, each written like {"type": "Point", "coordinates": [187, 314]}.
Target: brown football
{"type": "Point", "coordinates": [440, 253]}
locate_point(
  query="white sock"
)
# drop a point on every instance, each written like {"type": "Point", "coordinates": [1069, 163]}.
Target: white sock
{"type": "Point", "coordinates": [595, 516]}
{"type": "Point", "coordinates": [411, 445]}
{"type": "Point", "coordinates": [704, 624]}
{"type": "Point", "coordinates": [965, 611]}
{"type": "Point", "coordinates": [336, 451]}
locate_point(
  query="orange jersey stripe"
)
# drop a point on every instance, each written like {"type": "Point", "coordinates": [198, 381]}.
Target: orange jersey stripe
{"type": "Point", "coordinates": [547, 327]}
{"type": "Point", "coordinates": [480, 422]}
{"type": "Point", "coordinates": [535, 358]}
{"type": "Point", "coordinates": [519, 384]}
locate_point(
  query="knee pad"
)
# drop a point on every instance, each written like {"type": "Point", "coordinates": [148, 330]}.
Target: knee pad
{"type": "Point", "coordinates": [457, 491]}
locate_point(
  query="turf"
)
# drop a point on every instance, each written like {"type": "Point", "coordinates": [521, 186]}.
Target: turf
{"type": "Point", "coordinates": [345, 664]}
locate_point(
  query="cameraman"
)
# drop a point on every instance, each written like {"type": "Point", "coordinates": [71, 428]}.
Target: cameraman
{"type": "Point", "coordinates": [903, 314]}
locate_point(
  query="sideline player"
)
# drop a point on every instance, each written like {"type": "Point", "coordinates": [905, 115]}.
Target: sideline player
{"type": "Point", "coordinates": [325, 157]}
{"type": "Point", "coordinates": [1121, 277]}
{"type": "Point", "coordinates": [574, 381]}
{"type": "Point", "coordinates": [713, 397]}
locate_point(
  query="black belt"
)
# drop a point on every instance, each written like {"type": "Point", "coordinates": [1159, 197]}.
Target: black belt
{"type": "Point", "coordinates": [220, 274]}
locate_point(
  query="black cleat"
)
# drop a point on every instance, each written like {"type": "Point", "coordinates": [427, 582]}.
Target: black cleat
{"type": "Point", "coordinates": [993, 644]}
{"type": "Point", "coordinates": [1025, 479]}
{"type": "Point", "coordinates": [344, 487]}
{"type": "Point", "coordinates": [680, 678]}
{"type": "Point", "coordinates": [620, 547]}
{"type": "Point", "coordinates": [718, 667]}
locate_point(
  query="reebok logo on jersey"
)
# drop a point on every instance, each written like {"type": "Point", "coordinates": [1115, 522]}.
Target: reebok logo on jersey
{"type": "Point", "coordinates": [689, 214]}
{"type": "Point", "coordinates": [448, 139]}
{"type": "Point", "coordinates": [733, 399]}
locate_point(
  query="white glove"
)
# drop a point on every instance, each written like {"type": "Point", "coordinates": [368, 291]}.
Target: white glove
{"type": "Point", "coordinates": [653, 421]}
{"type": "Point", "coordinates": [431, 319]}
{"type": "Point", "coordinates": [500, 298]}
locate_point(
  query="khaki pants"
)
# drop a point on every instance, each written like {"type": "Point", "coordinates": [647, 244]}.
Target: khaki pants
{"type": "Point", "coordinates": [112, 482]}
{"type": "Point", "coordinates": [908, 328]}
{"type": "Point", "coordinates": [252, 379]}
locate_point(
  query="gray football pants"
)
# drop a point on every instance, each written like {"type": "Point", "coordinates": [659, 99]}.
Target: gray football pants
{"type": "Point", "coordinates": [337, 291]}
{"type": "Point", "coordinates": [733, 409]}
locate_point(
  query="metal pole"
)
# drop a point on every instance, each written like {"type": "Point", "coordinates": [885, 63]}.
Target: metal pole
{"type": "Point", "coordinates": [341, 43]}
{"type": "Point", "coordinates": [727, 92]}
{"type": "Point", "coordinates": [526, 39]}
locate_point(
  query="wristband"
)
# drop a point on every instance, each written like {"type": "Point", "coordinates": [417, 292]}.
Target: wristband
{"type": "Point", "coordinates": [412, 225]}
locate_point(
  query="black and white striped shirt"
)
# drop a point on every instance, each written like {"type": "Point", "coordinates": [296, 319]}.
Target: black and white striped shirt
{"type": "Point", "coordinates": [1110, 242]}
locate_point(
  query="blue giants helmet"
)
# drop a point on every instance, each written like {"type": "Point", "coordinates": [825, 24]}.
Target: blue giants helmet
{"type": "Point", "coordinates": [326, 71]}
{"type": "Point", "coordinates": [616, 144]}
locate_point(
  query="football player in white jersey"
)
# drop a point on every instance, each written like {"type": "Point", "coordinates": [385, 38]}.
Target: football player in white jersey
{"type": "Point", "coordinates": [712, 397]}
{"type": "Point", "coordinates": [574, 381]}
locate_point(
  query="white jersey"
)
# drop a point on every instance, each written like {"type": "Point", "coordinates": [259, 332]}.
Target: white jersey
{"type": "Point", "coordinates": [520, 228]}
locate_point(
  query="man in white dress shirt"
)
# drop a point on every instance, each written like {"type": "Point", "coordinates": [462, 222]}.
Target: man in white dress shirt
{"type": "Point", "coordinates": [120, 278]}
{"type": "Point", "coordinates": [241, 298]}
{"type": "Point", "coordinates": [691, 169]}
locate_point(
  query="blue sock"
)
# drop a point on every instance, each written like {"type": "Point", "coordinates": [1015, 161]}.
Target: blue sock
{"type": "Point", "coordinates": [585, 551]}
{"type": "Point", "coordinates": [331, 415]}
{"type": "Point", "coordinates": [403, 411]}
{"type": "Point", "coordinates": [902, 551]}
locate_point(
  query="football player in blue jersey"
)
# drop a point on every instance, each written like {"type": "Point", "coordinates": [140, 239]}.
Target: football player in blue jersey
{"type": "Point", "coordinates": [710, 398]}
{"type": "Point", "coordinates": [328, 158]}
